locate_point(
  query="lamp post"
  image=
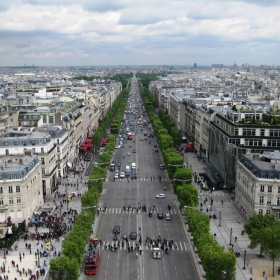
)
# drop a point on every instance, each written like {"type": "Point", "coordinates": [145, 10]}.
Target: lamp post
{"type": "Point", "coordinates": [244, 267]}
{"type": "Point", "coordinates": [38, 255]}
{"type": "Point", "coordinates": [77, 184]}
{"type": "Point", "coordinates": [4, 247]}
{"type": "Point", "coordinates": [220, 218]}
{"type": "Point", "coordinates": [230, 237]}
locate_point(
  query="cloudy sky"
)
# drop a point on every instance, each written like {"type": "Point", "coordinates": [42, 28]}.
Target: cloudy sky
{"type": "Point", "coordinates": [146, 32]}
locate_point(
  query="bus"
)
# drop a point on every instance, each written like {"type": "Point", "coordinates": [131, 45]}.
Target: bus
{"type": "Point", "coordinates": [129, 136]}
{"type": "Point", "coordinates": [92, 260]}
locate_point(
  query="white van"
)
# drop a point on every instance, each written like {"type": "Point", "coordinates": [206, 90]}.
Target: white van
{"type": "Point", "coordinates": [133, 165]}
{"type": "Point", "coordinates": [127, 168]}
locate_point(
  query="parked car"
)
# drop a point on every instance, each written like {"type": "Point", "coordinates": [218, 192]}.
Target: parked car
{"type": "Point", "coordinates": [162, 166]}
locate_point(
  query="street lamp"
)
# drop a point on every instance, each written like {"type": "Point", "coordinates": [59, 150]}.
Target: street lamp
{"type": "Point", "coordinates": [244, 267]}
{"type": "Point", "coordinates": [77, 184]}
{"type": "Point", "coordinates": [220, 218]}
{"type": "Point", "coordinates": [38, 255]}
{"type": "Point", "coordinates": [230, 237]}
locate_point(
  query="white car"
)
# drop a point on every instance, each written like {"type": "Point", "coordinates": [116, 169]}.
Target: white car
{"type": "Point", "coordinates": [161, 195]}
{"type": "Point", "coordinates": [167, 216]}
{"type": "Point", "coordinates": [128, 154]}
{"type": "Point", "coordinates": [122, 175]}
{"type": "Point", "coordinates": [116, 176]}
{"type": "Point", "coordinates": [118, 146]}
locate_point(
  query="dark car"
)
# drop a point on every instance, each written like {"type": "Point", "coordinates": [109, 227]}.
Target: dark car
{"type": "Point", "coordinates": [156, 150]}
{"type": "Point", "coordinates": [117, 230]}
{"type": "Point", "coordinates": [119, 164]}
{"type": "Point", "coordinates": [160, 215]}
{"type": "Point", "coordinates": [133, 235]}
{"type": "Point", "coordinates": [134, 151]}
{"type": "Point", "coordinates": [155, 145]}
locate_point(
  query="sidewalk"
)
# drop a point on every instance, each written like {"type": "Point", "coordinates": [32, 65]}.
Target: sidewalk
{"type": "Point", "coordinates": [30, 261]}
{"type": "Point", "coordinates": [229, 220]}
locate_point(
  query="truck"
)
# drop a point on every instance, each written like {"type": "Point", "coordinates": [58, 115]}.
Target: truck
{"type": "Point", "coordinates": [129, 136]}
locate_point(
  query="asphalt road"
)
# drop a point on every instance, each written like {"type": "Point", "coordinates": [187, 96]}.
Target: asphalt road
{"type": "Point", "coordinates": [120, 264]}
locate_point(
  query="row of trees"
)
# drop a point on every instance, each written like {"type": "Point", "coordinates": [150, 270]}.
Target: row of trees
{"type": "Point", "coordinates": [68, 265]}
{"type": "Point", "coordinates": [217, 263]}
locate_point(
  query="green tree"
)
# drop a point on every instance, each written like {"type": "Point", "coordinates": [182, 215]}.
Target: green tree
{"type": "Point", "coordinates": [187, 195]}
{"type": "Point", "coordinates": [256, 223]}
{"type": "Point", "coordinates": [64, 268]}
{"type": "Point", "coordinates": [271, 242]}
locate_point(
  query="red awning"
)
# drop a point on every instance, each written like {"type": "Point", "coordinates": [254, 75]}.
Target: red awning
{"type": "Point", "coordinates": [190, 147]}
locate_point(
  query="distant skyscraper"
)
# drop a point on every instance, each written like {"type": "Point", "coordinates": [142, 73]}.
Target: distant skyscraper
{"type": "Point", "coordinates": [195, 65]}
{"type": "Point", "coordinates": [217, 65]}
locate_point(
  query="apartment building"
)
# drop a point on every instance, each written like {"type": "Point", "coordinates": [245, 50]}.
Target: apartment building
{"type": "Point", "coordinates": [16, 141]}
{"type": "Point", "coordinates": [258, 183]}
{"type": "Point", "coordinates": [20, 189]}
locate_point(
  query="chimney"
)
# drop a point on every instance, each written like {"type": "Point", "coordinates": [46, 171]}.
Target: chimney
{"type": "Point", "coordinates": [20, 161]}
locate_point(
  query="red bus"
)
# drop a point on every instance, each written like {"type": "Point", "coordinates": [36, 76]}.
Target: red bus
{"type": "Point", "coordinates": [92, 261]}
{"type": "Point", "coordinates": [129, 136]}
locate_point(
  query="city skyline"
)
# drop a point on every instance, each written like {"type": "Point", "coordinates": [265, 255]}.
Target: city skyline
{"type": "Point", "coordinates": [64, 33]}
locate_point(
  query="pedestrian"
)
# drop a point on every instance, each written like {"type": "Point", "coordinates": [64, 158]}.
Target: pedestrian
{"type": "Point", "coordinates": [239, 220]}
{"type": "Point", "coordinates": [235, 238]}
{"type": "Point", "coordinates": [263, 273]}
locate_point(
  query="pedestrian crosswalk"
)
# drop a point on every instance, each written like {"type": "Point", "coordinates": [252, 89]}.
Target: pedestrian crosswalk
{"type": "Point", "coordinates": [144, 179]}
{"type": "Point", "coordinates": [134, 211]}
{"type": "Point", "coordinates": [177, 246]}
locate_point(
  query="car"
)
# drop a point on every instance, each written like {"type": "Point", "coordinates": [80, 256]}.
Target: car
{"type": "Point", "coordinates": [160, 215]}
{"type": "Point", "coordinates": [156, 253]}
{"type": "Point", "coordinates": [118, 146]}
{"type": "Point", "coordinates": [128, 154]}
{"type": "Point", "coordinates": [167, 216]}
{"type": "Point", "coordinates": [122, 175]}
{"type": "Point", "coordinates": [162, 166]}
{"type": "Point", "coordinates": [155, 146]}
{"type": "Point", "coordinates": [117, 230]}
{"type": "Point", "coordinates": [156, 150]}
{"type": "Point", "coordinates": [133, 235]}
{"type": "Point", "coordinates": [141, 139]}
{"type": "Point", "coordinates": [161, 195]}
{"type": "Point", "coordinates": [116, 176]}
{"type": "Point", "coordinates": [134, 151]}
{"type": "Point", "coordinates": [119, 164]}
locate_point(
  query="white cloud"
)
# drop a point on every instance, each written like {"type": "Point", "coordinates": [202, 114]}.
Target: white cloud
{"type": "Point", "coordinates": [162, 29]}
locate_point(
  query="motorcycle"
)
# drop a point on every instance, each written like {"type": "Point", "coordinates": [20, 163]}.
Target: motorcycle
{"type": "Point", "coordinates": [150, 214]}
{"type": "Point", "coordinates": [124, 236]}
{"type": "Point", "coordinates": [115, 237]}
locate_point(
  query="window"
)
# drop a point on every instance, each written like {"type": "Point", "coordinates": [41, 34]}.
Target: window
{"type": "Point", "coordinates": [274, 133]}
{"type": "Point", "coordinates": [278, 189]}
{"type": "Point", "coordinates": [262, 132]}
{"type": "Point", "coordinates": [10, 189]}
{"type": "Point", "coordinates": [1, 189]}
{"type": "Point", "coordinates": [268, 200]}
{"type": "Point", "coordinates": [19, 200]}
{"type": "Point", "coordinates": [11, 200]}
{"type": "Point", "coordinates": [42, 160]}
{"type": "Point", "coordinates": [269, 188]}
{"type": "Point", "coordinates": [260, 211]}
{"type": "Point", "coordinates": [262, 188]}
{"type": "Point", "coordinates": [1, 201]}
{"type": "Point", "coordinates": [17, 188]}
{"type": "Point", "coordinates": [261, 199]}
{"type": "Point", "coordinates": [278, 201]}
{"type": "Point", "coordinates": [278, 214]}
{"type": "Point", "coordinates": [249, 131]}
{"type": "Point", "coordinates": [43, 171]}
{"type": "Point", "coordinates": [267, 211]}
